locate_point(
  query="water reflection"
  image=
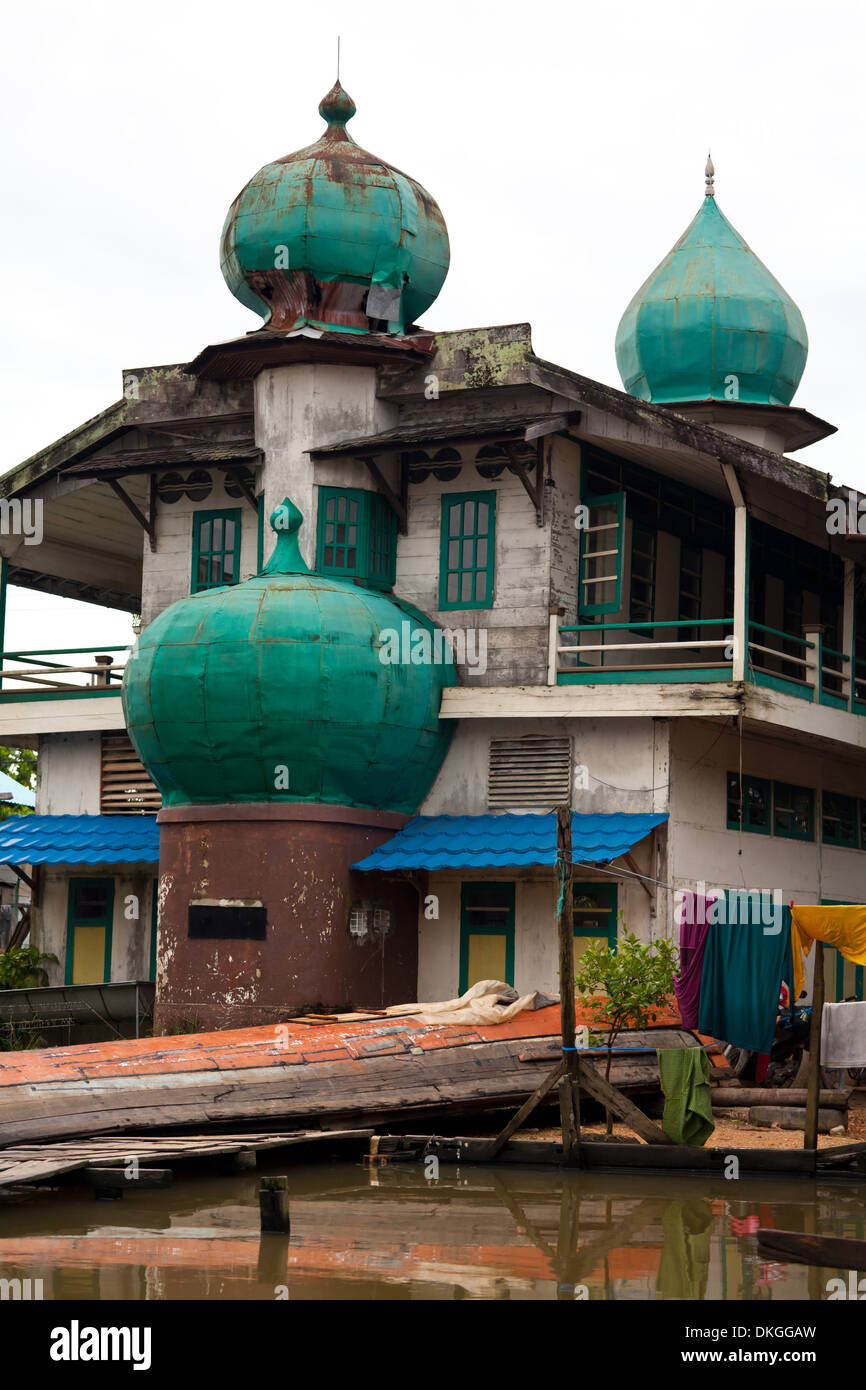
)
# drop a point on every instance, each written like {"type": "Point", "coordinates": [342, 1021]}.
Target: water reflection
{"type": "Point", "coordinates": [489, 1233]}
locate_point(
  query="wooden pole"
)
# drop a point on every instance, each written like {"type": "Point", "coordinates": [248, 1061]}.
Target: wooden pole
{"type": "Point", "coordinates": [810, 1136]}
{"type": "Point", "coordinates": [274, 1215]}
{"type": "Point", "coordinates": [569, 1087]}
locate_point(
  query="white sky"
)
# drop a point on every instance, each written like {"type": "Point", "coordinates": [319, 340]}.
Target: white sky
{"type": "Point", "coordinates": [565, 144]}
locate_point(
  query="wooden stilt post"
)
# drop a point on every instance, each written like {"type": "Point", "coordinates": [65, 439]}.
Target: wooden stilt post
{"type": "Point", "coordinates": [569, 1087]}
{"type": "Point", "coordinates": [274, 1212]}
{"type": "Point", "coordinates": [810, 1136]}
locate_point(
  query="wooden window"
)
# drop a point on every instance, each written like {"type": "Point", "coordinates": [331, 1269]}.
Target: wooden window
{"type": "Point", "coordinates": [643, 575]}
{"type": "Point", "coordinates": [532, 773]}
{"type": "Point", "coordinates": [486, 933]}
{"type": "Point", "coordinates": [594, 915]}
{"type": "Point", "coordinates": [793, 812]}
{"type": "Point", "coordinates": [216, 549]}
{"type": "Point", "coordinates": [467, 551]}
{"type": "Point", "coordinates": [601, 555]}
{"type": "Point", "coordinates": [691, 585]}
{"type": "Point", "coordinates": [748, 808]}
{"type": "Point", "coordinates": [125, 786]}
{"type": "Point", "coordinates": [88, 931]}
{"type": "Point", "coordinates": [839, 819]}
{"type": "Point", "coordinates": [357, 536]}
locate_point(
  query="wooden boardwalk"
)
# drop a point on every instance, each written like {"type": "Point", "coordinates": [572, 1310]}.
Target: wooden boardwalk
{"type": "Point", "coordinates": [34, 1163]}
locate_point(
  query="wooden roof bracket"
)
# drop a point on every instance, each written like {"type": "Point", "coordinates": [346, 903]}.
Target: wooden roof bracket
{"type": "Point", "coordinates": [535, 491]}
{"type": "Point", "coordinates": [147, 525]}
{"type": "Point", "coordinates": [237, 477]}
{"type": "Point", "coordinates": [397, 504]}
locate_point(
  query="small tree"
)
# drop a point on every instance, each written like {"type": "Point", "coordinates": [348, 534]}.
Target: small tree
{"type": "Point", "coordinates": [624, 988]}
{"type": "Point", "coordinates": [23, 967]}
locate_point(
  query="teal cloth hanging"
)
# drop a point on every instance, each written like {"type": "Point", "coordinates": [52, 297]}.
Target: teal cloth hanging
{"type": "Point", "coordinates": [744, 965]}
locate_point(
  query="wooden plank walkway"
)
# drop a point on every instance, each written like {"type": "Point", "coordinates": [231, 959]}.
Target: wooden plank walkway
{"type": "Point", "coordinates": [27, 1163]}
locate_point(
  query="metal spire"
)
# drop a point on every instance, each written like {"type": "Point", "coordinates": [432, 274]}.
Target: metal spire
{"type": "Point", "coordinates": [708, 174]}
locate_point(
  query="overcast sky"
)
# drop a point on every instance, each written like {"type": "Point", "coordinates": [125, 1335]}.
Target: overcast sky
{"type": "Point", "coordinates": [565, 144]}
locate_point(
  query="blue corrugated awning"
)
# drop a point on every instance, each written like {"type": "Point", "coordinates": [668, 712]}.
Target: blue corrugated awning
{"type": "Point", "coordinates": [79, 840]}
{"type": "Point", "coordinates": [500, 842]}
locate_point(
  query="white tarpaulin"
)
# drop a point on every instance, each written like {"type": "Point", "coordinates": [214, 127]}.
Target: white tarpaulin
{"type": "Point", "coordinates": [488, 1001]}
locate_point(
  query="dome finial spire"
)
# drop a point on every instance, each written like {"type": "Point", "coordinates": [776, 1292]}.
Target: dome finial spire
{"type": "Point", "coordinates": [709, 173]}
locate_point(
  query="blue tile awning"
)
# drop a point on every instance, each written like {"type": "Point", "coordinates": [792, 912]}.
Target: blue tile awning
{"type": "Point", "coordinates": [79, 840]}
{"type": "Point", "coordinates": [507, 841]}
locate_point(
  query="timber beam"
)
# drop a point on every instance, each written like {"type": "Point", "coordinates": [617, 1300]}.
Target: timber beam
{"type": "Point", "coordinates": [146, 523]}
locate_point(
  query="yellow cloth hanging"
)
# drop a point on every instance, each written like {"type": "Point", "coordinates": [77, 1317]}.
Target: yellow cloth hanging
{"type": "Point", "coordinates": [842, 927]}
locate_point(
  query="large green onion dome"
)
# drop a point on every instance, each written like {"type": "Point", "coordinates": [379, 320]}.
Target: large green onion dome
{"type": "Point", "coordinates": [712, 323]}
{"type": "Point", "coordinates": [275, 690]}
{"type": "Point", "coordinates": [333, 237]}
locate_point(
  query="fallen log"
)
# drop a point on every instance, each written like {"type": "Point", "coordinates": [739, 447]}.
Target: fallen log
{"type": "Point", "coordinates": [789, 1117]}
{"type": "Point", "coordinates": [756, 1095]}
{"type": "Point", "coordinates": [797, 1247]}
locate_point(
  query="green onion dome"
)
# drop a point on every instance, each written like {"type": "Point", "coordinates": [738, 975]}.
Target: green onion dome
{"type": "Point", "coordinates": [275, 690]}
{"type": "Point", "coordinates": [335, 238]}
{"type": "Point", "coordinates": [712, 323]}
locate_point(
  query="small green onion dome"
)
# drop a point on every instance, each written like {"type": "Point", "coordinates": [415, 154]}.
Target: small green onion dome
{"type": "Point", "coordinates": [275, 690]}
{"type": "Point", "coordinates": [334, 238]}
{"type": "Point", "coordinates": [711, 323]}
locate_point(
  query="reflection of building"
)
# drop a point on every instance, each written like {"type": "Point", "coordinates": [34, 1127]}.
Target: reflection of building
{"type": "Point", "coordinates": [649, 616]}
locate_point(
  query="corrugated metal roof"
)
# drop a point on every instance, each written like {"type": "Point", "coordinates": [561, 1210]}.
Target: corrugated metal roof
{"type": "Point", "coordinates": [168, 456]}
{"type": "Point", "coordinates": [79, 840]}
{"type": "Point", "coordinates": [507, 841]}
{"type": "Point", "coordinates": [15, 792]}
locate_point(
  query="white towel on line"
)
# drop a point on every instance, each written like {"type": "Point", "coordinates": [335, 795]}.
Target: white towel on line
{"type": "Point", "coordinates": [843, 1035]}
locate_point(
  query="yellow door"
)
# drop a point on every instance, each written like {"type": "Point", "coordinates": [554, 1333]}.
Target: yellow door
{"type": "Point", "coordinates": [88, 956]}
{"type": "Point", "coordinates": [488, 959]}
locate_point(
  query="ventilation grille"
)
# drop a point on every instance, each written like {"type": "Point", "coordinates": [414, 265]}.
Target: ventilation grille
{"type": "Point", "coordinates": [125, 786]}
{"type": "Point", "coordinates": [532, 773]}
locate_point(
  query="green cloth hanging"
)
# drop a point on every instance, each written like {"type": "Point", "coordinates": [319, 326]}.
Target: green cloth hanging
{"type": "Point", "coordinates": [685, 1076]}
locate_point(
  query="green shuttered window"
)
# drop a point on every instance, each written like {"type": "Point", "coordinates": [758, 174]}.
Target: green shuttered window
{"type": "Point", "coordinates": [601, 545]}
{"type": "Point", "coordinates": [216, 549]}
{"type": "Point", "coordinates": [357, 536]}
{"type": "Point", "coordinates": [466, 567]}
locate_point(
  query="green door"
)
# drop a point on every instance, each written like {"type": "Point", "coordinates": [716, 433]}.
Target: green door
{"type": "Point", "coordinates": [594, 915]}
{"type": "Point", "coordinates": [486, 933]}
{"type": "Point", "coordinates": [88, 931]}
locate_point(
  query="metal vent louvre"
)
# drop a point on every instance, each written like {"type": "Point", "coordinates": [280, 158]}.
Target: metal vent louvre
{"type": "Point", "coordinates": [532, 773]}
{"type": "Point", "coordinates": [125, 786]}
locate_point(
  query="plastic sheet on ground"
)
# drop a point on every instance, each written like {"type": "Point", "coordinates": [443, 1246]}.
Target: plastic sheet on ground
{"type": "Point", "coordinates": [488, 1001]}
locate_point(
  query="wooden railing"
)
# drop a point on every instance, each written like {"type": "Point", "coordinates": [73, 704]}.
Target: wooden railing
{"type": "Point", "coordinates": [32, 672]}
{"type": "Point", "coordinates": [630, 660]}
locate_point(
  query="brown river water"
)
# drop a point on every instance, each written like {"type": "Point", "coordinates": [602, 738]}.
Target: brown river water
{"type": "Point", "coordinates": [390, 1233]}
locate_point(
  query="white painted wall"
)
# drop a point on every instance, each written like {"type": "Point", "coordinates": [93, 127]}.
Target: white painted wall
{"type": "Point", "coordinates": [167, 571]}
{"type": "Point", "coordinates": [68, 773]}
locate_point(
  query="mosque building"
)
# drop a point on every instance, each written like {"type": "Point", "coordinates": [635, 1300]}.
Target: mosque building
{"type": "Point", "coordinates": [401, 593]}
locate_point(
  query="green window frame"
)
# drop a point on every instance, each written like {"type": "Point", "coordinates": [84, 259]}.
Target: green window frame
{"type": "Point", "coordinates": [356, 537]}
{"type": "Point", "coordinates": [216, 549]}
{"type": "Point", "coordinates": [90, 903]}
{"type": "Point", "coordinates": [467, 550]}
{"type": "Point", "coordinates": [480, 904]}
{"type": "Point", "coordinates": [752, 811]}
{"type": "Point", "coordinates": [793, 811]}
{"type": "Point", "coordinates": [839, 817]}
{"type": "Point", "coordinates": [594, 911]}
{"type": "Point", "coordinates": [601, 555]}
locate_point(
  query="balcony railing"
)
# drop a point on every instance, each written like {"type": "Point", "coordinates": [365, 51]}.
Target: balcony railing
{"type": "Point", "coordinates": [637, 657]}
{"type": "Point", "coordinates": [38, 675]}
{"type": "Point", "coordinates": [620, 653]}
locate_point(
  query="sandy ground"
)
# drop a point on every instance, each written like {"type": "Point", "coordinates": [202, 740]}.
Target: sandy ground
{"type": "Point", "coordinates": [740, 1135]}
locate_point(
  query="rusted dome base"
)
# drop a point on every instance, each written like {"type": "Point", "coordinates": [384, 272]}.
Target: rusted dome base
{"type": "Point", "coordinates": [293, 860]}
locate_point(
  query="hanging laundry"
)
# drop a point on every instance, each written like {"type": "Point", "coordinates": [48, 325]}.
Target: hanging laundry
{"type": "Point", "coordinates": [842, 927]}
{"type": "Point", "coordinates": [693, 940]}
{"type": "Point", "coordinates": [744, 965]}
{"type": "Point", "coordinates": [684, 1073]}
{"type": "Point", "coordinates": [843, 1035]}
